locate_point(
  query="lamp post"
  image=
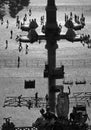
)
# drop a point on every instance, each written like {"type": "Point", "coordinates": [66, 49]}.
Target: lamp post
{"type": "Point", "coordinates": [52, 35]}
{"type": "Point", "coordinates": [51, 31]}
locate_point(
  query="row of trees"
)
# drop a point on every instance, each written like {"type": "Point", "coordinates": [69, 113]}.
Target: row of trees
{"type": "Point", "coordinates": [14, 6]}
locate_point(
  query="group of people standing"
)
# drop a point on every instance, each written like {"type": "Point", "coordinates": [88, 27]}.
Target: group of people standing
{"type": "Point", "coordinates": [77, 19]}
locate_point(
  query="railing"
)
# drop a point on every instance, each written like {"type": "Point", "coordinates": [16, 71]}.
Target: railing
{"type": "Point", "coordinates": [77, 98]}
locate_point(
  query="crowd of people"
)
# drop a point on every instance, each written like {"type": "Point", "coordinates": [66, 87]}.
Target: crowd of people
{"type": "Point", "coordinates": [75, 18]}
{"type": "Point", "coordinates": [85, 38]}
{"type": "Point", "coordinates": [18, 24]}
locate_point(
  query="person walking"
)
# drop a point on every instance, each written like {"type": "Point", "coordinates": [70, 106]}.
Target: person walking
{"type": "Point", "coordinates": [18, 62]}
{"type": "Point", "coordinates": [11, 33]}
{"type": "Point", "coordinates": [20, 46]}
{"type": "Point", "coordinates": [36, 99]}
{"type": "Point", "coordinates": [7, 24]}
{"type": "Point", "coordinates": [6, 44]}
{"type": "Point", "coordinates": [26, 49]}
{"type": "Point", "coordinates": [30, 12]}
{"type": "Point", "coordinates": [19, 100]}
{"type": "Point", "coordinates": [29, 104]}
{"type": "Point", "coordinates": [47, 99]}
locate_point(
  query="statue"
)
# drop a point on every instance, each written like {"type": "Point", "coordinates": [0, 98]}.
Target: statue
{"type": "Point", "coordinates": [62, 106]}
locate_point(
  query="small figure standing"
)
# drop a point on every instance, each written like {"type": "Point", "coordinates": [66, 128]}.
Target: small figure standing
{"type": "Point", "coordinates": [39, 41]}
{"type": "Point", "coordinates": [26, 49]}
{"type": "Point", "coordinates": [7, 24]}
{"type": "Point", "coordinates": [20, 46]}
{"type": "Point", "coordinates": [6, 44]}
{"type": "Point", "coordinates": [17, 22]}
{"type": "Point", "coordinates": [18, 62]}
{"type": "Point", "coordinates": [88, 103]}
{"type": "Point", "coordinates": [29, 104]}
{"type": "Point", "coordinates": [25, 17]}
{"type": "Point", "coordinates": [29, 12]}
{"type": "Point", "coordinates": [46, 98]}
{"type": "Point", "coordinates": [82, 19]}
{"type": "Point", "coordinates": [42, 20]}
{"type": "Point", "coordinates": [11, 32]}
{"type": "Point", "coordinates": [19, 100]}
{"type": "Point", "coordinates": [65, 18]}
{"type": "Point", "coordinates": [71, 15]}
{"type": "Point", "coordinates": [60, 28]}
{"type": "Point", "coordinates": [36, 99]}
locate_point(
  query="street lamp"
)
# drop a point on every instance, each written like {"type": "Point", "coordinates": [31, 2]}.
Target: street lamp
{"type": "Point", "coordinates": [52, 35]}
